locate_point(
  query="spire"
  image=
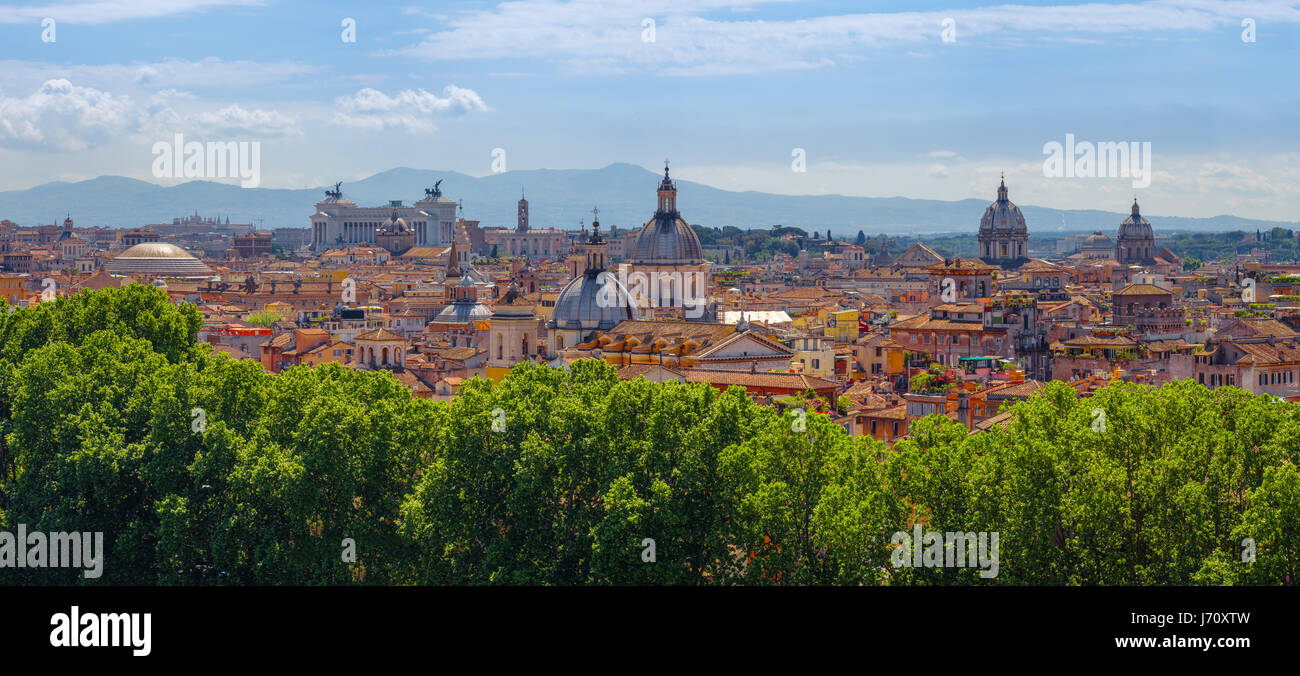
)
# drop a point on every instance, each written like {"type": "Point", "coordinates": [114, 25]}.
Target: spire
{"type": "Point", "coordinates": [1135, 206]}
{"type": "Point", "coordinates": [667, 193]}
{"type": "Point", "coordinates": [1002, 189]}
{"type": "Point", "coordinates": [453, 267]}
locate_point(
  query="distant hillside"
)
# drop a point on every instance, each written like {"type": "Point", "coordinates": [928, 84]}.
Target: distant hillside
{"type": "Point", "coordinates": [558, 198]}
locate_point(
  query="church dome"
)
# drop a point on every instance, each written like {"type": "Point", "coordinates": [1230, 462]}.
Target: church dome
{"type": "Point", "coordinates": [463, 311]}
{"type": "Point", "coordinates": [157, 258]}
{"type": "Point", "coordinates": [1003, 215]}
{"type": "Point", "coordinates": [396, 226]}
{"type": "Point", "coordinates": [593, 301]}
{"type": "Point", "coordinates": [667, 238]}
{"type": "Point", "coordinates": [1136, 227]}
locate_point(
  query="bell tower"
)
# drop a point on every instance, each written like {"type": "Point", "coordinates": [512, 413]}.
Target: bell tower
{"type": "Point", "coordinates": [521, 223]}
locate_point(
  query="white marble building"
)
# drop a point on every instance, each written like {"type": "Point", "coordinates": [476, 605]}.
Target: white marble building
{"type": "Point", "coordinates": [338, 222]}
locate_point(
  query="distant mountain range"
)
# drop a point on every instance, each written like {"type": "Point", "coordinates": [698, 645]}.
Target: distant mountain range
{"type": "Point", "coordinates": [624, 193]}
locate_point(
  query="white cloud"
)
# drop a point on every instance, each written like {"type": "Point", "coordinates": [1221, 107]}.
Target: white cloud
{"type": "Point", "coordinates": [234, 120]}
{"type": "Point", "coordinates": [139, 76]}
{"type": "Point", "coordinates": [606, 35]}
{"type": "Point", "coordinates": [410, 109]}
{"type": "Point", "coordinates": [60, 116]}
{"type": "Point", "coordinates": [108, 11]}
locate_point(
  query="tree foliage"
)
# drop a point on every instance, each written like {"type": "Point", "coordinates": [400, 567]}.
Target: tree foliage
{"type": "Point", "coordinates": [573, 476]}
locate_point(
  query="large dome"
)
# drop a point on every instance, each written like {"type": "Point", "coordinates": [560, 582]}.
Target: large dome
{"type": "Point", "coordinates": [592, 302]}
{"type": "Point", "coordinates": [669, 239]}
{"type": "Point", "coordinates": [1136, 227]}
{"type": "Point", "coordinates": [1003, 215]}
{"type": "Point", "coordinates": [157, 258]}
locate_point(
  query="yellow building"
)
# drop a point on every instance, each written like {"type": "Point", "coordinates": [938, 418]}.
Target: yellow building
{"type": "Point", "coordinates": [11, 288]}
{"type": "Point", "coordinates": [841, 325]}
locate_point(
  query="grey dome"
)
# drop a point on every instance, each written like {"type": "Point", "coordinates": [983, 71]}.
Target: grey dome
{"type": "Point", "coordinates": [157, 258]}
{"type": "Point", "coordinates": [667, 238]}
{"type": "Point", "coordinates": [463, 311]}
{"type": "Point", "coordinates": [1003, 215]}
{"type": "Point", "coordinates": [593, 301]}
{"type": "Point", "coordinates": [1135, 226]}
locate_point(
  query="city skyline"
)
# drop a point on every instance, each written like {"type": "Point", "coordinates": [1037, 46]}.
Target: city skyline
{"type": "Point", "coordinates": [729, 89]}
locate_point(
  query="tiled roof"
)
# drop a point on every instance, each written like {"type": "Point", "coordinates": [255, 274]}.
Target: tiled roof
{"type": "Point", "coordinates": [797, 381]}
{"type": "Point", "coordinates": [381, 334]}
{"type": "Point", "coordinates": [1142, 290]}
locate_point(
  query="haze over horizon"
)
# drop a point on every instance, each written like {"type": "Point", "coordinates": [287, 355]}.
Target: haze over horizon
{"type": "Point", "coordinates": [871, 103]}
{"type": "Point", "coordinates": [563, 199]}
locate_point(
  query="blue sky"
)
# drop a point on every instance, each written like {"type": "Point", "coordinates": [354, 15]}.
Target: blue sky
{"type": "Point", "coordinates": [878, 101]}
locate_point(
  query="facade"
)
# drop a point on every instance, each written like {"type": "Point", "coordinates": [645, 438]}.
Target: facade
{"type": "Point", "coordinates": [338, 222]}
{"type": "Point", "coordinates": [514, 330]}
{"type": "Point", "coordinates": [1003, 236]}
{"type": "Point", "coordinates": [524, 240]}
{"type": "Point", "coordinates": [395, 235]}
{"type": "Point", "coordinates": [253, 245]}
{"type": "Point", "coordinates": [1149, 309]}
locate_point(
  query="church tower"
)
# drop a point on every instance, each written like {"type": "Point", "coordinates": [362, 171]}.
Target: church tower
{"type": "Point", "coordinates": [521, 224]}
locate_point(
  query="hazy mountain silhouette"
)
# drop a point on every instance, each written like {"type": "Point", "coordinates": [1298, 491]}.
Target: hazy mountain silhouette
{"type": "Point", "coordinates": [624, 193]}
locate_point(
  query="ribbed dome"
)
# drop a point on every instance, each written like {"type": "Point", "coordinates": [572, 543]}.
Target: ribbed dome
{"type": "Point", "coordinates": [667, 238]}
{"type": "Point", "coordinates": [1135, 227]}
{"type": "Point", "coordinates": [1003, 215]}
{"type": "Point", "coordinates": [463, 311]}
{"type": "Point", "coordinates": [157, 258]}
{"type": "Point", "coordinates": [592, 302]}
{"type": "Point", "coordinates": [155, 250]}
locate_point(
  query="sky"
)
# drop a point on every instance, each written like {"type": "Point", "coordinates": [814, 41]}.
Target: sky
{"type": "Point", "coordinates": [912, 98]}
